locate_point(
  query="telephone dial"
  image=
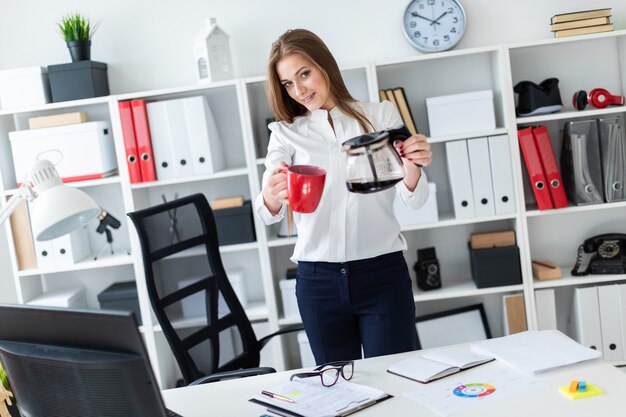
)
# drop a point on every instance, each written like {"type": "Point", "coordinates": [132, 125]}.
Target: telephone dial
{"type": "Point", "coordinates": [602, 254]}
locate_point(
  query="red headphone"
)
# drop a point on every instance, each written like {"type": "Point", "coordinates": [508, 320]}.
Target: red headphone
{"type": "Point", "coordinates": [598, 97]}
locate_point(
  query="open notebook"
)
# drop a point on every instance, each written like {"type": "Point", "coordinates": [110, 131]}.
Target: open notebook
{"type": "Point", "coordinates": [437, 364]}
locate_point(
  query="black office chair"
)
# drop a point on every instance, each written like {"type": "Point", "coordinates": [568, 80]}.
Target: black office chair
{"type": "Point", "coordinates": [224, 345]}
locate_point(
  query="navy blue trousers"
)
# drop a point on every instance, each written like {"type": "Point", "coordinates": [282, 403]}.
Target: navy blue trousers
{"type": "Point", "coordinates": [365, 303]}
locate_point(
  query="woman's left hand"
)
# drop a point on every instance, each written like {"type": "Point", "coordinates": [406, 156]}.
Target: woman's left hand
{"type": "Point", "coordinates": [415, 150]}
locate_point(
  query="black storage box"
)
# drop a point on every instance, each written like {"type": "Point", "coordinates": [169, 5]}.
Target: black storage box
{"type": "Point", "coordinates": [121, 296]}
{"type": "Point", "coordinates": [495, 267]}
{"type": "Point", "coordinates": [76, 80]}
{"type": "Point", "coordinates": [235, 224]}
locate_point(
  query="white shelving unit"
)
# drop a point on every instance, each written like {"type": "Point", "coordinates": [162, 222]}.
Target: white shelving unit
{"type": "Point", "coordinates": [556, 234]}
{"type": "Point", "coordinates": [241, 110]}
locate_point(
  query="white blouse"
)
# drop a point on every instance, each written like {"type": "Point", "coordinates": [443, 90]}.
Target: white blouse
{"type": "Point", "coordinates": [345, 226]}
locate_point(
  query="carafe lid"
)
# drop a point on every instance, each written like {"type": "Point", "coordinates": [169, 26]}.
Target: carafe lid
{"type": "Point", "coordinates": [365, 140]}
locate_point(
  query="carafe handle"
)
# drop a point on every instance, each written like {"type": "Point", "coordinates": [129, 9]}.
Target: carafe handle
{"type": "Point", "coordinates": [401, 133]}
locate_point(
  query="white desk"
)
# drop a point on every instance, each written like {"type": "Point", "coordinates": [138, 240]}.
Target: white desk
{"type": "Point", "coordinates": [230, 398]}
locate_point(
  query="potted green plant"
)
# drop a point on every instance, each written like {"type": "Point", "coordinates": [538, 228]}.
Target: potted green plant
{"type": "Point", "coordinates": [77, 31]}
{"type": "Point", "coordinates": [7, 402]}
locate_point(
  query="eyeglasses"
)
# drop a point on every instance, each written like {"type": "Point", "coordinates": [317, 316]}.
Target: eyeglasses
{"type": "Point", "coordinates": [329, 372]}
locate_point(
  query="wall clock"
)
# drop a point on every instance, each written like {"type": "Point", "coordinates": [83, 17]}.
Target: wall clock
{"type": "Point", "coordinates": [434, 25]}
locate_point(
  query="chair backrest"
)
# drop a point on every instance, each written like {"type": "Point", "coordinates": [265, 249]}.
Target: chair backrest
{"type": "Point", "coordinates": [201, 317]}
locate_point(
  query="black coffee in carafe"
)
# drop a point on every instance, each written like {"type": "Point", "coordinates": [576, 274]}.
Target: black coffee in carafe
{"type": "Point", "coordinates": [373, 164]}
{"type": "Point", "coordinates": [366, 187]}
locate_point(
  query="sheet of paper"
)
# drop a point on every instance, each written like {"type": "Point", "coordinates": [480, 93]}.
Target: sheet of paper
{"type": "Point", "coordinates": [464, 391]}
{"type": "Point", "coordinates": [312, 399]}
{"type": "Point", "coordinates": [536, 351]}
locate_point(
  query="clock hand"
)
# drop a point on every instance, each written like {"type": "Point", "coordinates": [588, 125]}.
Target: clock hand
{"type": "Point", "coordinates": [414, 14]}
{"type": "Point", "coordinates": [432, 22]}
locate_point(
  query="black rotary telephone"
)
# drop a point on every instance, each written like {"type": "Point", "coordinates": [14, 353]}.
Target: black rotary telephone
{"type": "Point", "coordinates": [602, 254]}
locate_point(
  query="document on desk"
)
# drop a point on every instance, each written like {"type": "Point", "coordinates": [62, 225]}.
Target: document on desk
{"type": "Point", "coordinates": [312, 399]}
{"type": "Point", "coordinates": [536, 351]}
{"type": "Point", "coordinates": [466, 391]}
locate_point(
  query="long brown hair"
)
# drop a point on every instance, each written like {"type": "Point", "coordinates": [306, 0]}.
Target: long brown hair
{"type": "Point", "coordinates": [310, 46]}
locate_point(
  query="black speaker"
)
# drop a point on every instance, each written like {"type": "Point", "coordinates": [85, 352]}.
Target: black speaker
{"type": "Point", "coordinates": [427, 269]}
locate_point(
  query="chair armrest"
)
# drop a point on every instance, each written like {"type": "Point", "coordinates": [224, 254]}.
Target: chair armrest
{"type": "Point", "coordinates": [287, 329]}
{"type": "Point", "coordinates": [239, 373]}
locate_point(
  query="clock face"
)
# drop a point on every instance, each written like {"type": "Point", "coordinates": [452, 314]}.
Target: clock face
{"type": "Point", "coordinates": [434, 25]}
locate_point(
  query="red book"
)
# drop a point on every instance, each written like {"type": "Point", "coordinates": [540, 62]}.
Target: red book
{"type": "Point", "coordinates": [550, 167]}
{"type": "Point", "coordinates": [144, 143]}
{"type": "Point", "coordinates": [130, 144]}
{"type": "Point", "coordinates": [535, 170]}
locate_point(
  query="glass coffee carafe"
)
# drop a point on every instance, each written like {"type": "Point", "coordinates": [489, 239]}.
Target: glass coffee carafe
{"type": "Point", "coordinates": [373, 164]}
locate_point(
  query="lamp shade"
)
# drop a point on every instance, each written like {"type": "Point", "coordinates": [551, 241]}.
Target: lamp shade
{"type": "Point", "coordinates": [58, 209]}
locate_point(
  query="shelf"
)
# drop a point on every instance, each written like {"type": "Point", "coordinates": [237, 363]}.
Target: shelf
{"type": "Point", "coordinates": [441, 55]}
{"type": "Point", "coordinates": [447, 220]}
{"type": "Point", "coordinates": [200, 250]}
{"type": "Point", "coordinates": [448, 138]}
{"type": "Point", "coordinates": [53, 106]}
{"type": "Point", "coordinates": [289, 321]}
{"type": "Point", "coordinates": [468, 135]}
{"type": "Point", "coordinates": [576, 209]}
{"type": "Point", "coordinates": [239, 247]}
{"type": "Point", "coordinates": [237, 172]}
{"type": "Point", "coordinates": [555, 41]}
{"type": "Point", "coordinates": [176, 90]}
{"type": "Point", "coordinates": [569, 280]}
{"type": "Point", "coordinates": [81, 266]}
{"type": "Point", "coordinates": [80, 184]}
{"type": "Point", "coordinates": [570, 114]}
{"type": "Point", "coordinates": [281, 241]}
{"type": "Point", "coordinates": [466, 288]}
{"type": "Point", "coordinates": [256, 311]}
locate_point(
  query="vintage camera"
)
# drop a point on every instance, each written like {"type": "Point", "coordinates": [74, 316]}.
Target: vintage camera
{"type": "Point", "coordinates": [427, 269]}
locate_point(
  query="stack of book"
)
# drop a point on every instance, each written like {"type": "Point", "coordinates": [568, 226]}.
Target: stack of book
{"type": "Point", "coordinates": [398, 98]}
{"type": "Point", "coordinates": [581, 23]}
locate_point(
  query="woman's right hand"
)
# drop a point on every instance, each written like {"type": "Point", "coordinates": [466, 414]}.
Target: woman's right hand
{"type": "Point", "coordinates": [275, 191]}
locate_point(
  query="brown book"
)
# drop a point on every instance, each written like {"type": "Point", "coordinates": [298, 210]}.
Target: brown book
{"type": "Point", "coordinates": [580, 23]}
{"type": "Point", "coordinates": [57, 120]}
{"type": "Point", "coordinates": [392, 98]}
{"type": "Point", "coordinates": [23, 238]}
{"type": "Point", "coordinates": [405, 110]}
{"type": "Point", "coordinates": [583, 31]}
{"type": "Point", "coordinates": [227, 202]}
{"type": "Point", "coordinates": [492, 239]}
{"type": "Point", "coordinates": [514, 314]}
{"type": "Point", "coordinates": [585, 14]}
{"type": "Point", "coordinates": [382, 95]}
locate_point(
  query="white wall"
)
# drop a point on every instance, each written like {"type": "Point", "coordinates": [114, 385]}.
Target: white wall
{"type": "Point", "coordinates": [147, 43]}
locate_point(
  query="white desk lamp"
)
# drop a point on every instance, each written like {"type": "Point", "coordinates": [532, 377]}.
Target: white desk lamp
{"type": "Point", "coordinates": [58, 209]}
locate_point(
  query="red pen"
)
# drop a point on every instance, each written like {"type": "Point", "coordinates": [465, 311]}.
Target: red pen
{"type": "Point", "coordinates": [277, 396]}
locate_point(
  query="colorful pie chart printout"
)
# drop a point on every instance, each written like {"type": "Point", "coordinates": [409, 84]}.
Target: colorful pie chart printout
{"type": "Point", "coordinates": [463, 392]}
{"type": "Point", "coordinates": [475, 390]}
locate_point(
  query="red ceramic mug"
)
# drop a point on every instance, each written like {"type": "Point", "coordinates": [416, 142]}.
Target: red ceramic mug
{"type": "Point", "coordinates": [305, 184]}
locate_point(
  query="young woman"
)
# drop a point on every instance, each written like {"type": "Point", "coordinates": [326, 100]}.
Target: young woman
{"type": "Point", "coordinates": [353, 285]}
